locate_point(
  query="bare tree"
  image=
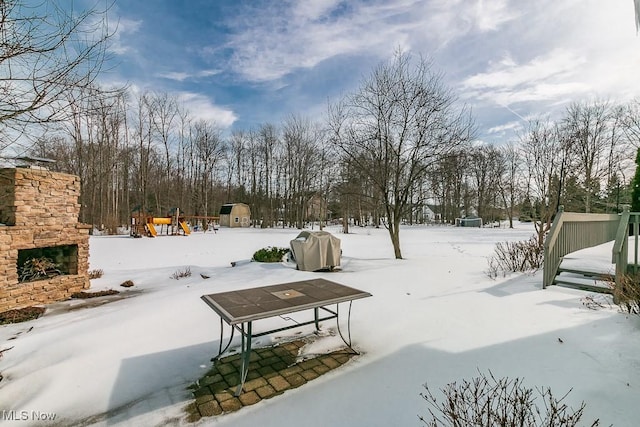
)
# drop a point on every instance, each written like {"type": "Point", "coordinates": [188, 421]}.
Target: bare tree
{"type": "Point", "coordinates": [254, 160]}
{"type": "Point", "coordinates": [46, 51]}
{"type": "Point", "coordinates": [547, 158]}
{"type": "Point", "coordinates": [142, 130]}
{"type": "Point", "coordinates": [511, 183]}
{"type": "Point", "coordinates": [209, 149]}
{"type": "Point", "coordinates": [486, 168]}
{"type": "Point", "coordinates": [325, 178]}
{"type": "Point", "coordinates": [631, 123]}
{"type": "Point", "coordinates": [301, 146]}
{"type": "Point", "coordinates": [235, 162]}
{"type": "Point", "coordinates": [268, 141]}
{"type": "Point", "coordinates": [183, 155]}
{"type": "Point", "coordinates": [399, 123]}
{"type": "Point", "coordinates": [165, 113]}
{"type": "Point", "coordinates": [618, 158]}
{"type": "Point", "coordinates": [587, 127]}
{"type": "Point", "coordinates": [449, 186]}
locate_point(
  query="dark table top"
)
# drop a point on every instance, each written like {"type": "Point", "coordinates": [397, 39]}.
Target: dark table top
{"type": "Point", "coordinates": [246, 305]}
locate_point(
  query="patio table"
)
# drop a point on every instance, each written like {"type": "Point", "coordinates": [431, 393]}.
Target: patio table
{"type": "Point", "coordinates": [240, 308]}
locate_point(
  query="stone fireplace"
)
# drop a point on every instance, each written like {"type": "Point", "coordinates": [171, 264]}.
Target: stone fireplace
{"type": "Point", "coordinates": [39, 224]}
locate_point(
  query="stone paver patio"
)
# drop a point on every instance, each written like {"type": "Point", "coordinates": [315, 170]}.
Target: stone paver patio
{"type": "Point", "coordinates": [272, 371]}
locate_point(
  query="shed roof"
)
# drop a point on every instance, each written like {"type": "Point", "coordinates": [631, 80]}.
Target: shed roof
{"type": "Point", "coordinates": [226, 209]}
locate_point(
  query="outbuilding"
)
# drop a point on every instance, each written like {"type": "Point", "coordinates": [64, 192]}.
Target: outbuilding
{"type": "Point", "coordinates": [235, 215]}
{"type": "Point", "coordinates": [469, 221]}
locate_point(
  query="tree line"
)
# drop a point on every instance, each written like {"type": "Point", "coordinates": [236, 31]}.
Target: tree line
{"type": "Point", "coordinates": [400, 148]}
{"type": "Point", "coordinates": [378, 160]}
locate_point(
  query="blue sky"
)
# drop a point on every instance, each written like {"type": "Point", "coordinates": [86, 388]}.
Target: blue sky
{"type": "Point", "coordinates": [243, 63]}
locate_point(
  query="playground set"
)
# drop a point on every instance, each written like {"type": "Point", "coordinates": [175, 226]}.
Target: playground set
{"type": "Point", "coordinates": [176, 224]}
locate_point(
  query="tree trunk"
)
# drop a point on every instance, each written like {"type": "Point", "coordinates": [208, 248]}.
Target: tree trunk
{"type": "Point", "coordinates": [394, 233]}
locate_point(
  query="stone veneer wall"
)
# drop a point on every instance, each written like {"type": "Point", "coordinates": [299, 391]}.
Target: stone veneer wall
{"type": "Point", "coordinates": [38, 209]}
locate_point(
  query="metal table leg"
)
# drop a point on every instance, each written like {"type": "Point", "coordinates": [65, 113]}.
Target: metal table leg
{"type": "Point", "coordinates": [348, 343]}
{"type": "Point", "coordinates": [220, 350]}
{"type": "Point", "coordinates": [246, 355]}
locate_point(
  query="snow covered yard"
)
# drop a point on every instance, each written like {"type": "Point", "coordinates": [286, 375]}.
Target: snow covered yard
{"type": "Point", "coordinates": [434, 317]}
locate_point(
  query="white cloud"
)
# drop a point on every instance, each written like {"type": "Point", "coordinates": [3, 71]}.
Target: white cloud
{"type": "Point", "coordinates": [579, 55]}
{"type": "Point", "coordinates": [175, 75]}
{"type": "Point", "coordinates": [448, 20]}
{"type": "Point", "coordinates": [208, 73]}
{"type": "Point", "coordinates": [125, 27]}
{"type": "Point", "coordinates": [312, 10]}
{"type": "Point", "coordinates": [532, 56]}
{"type": "Point", "coordinates": [287, 36]}
{"type": "Point", "coordinates": [182, 75]}
{"type": "Point", "coordinates": [283, 39]}
{"type": "Point", "coordinates": [202, 107]}
{"type": "Point", "coordinates": [557, 64]}
{"type": "Point", "coordinates": [507, 127]}
{"type": "Point", "coordinates": [490, 15]}
{"type": "Point", "coordinates": [553, 93]}
{"type": "Point", "coordinates": [550, 77]}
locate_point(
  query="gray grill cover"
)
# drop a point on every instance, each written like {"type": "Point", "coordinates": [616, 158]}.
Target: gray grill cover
{"type": "Point", "coordinates": [316, 250]}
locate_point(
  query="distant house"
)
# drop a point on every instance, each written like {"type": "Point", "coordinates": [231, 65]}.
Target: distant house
{"type": "Point", "coordinates": [235, 215]}
{"type": "Point", "coordinates": [317, 208]}
{"type": "Point", "coordinates": [428, 214]}
{"type": "Point", "coordinates": [433, 213]}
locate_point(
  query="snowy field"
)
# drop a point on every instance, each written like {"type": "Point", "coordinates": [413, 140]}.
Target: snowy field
{"type": "Point", "coordinates": [435, 317]}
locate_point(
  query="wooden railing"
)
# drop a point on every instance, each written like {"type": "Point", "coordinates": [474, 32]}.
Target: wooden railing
{"type": "Point", "coordinates": [620, 251]}
{"type": "Point", "coordinates": [571, 232]}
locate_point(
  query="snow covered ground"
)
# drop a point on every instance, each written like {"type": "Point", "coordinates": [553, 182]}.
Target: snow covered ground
{"type": "Point", "coordinates": [435, 317]}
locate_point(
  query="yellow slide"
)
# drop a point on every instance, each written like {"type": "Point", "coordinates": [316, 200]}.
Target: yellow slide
{"type": "Point", "coordinates": [185, 228]}
{"type": "Point", "coordinates": [151, 229]}
{"type": "Point", "coordinates": [162, 221]}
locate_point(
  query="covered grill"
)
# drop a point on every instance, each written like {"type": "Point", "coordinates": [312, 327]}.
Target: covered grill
{"type": "Point", "coordinates": [316, 250]}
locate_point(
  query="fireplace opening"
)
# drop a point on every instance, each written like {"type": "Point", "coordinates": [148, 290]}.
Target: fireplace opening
{"type": "Point", "coordinates": [44, 263]}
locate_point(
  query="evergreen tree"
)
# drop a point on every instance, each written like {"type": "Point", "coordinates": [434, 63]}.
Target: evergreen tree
{"type": "Point", "coordinates": [617, 193]}
{"type": "Point", "coordinates": [635, 186]}
{"type": "Point", "coordinates": [573, 195]}
{"type": "Point", "coordinates": [526, 210]}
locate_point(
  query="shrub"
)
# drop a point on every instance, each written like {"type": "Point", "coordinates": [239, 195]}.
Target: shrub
{"type": "Point", "coordinates": [525, 255]}
{"type": "Point", "coordinates": [498, 402]}
{"type": "Point", "coordinates": [596, 302]}
{"type": "Point", "coordinates": [270, 254]}
{"type": "Point", "coordinates": [627, 294]}
{"type": "Point", "coordinates": [179, 274]}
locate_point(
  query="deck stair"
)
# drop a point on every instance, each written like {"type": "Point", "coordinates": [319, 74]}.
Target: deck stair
{"type": "Point", "coordinates": [572, 232]}
{"type": "Point", "coordinates": [585, 280]}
